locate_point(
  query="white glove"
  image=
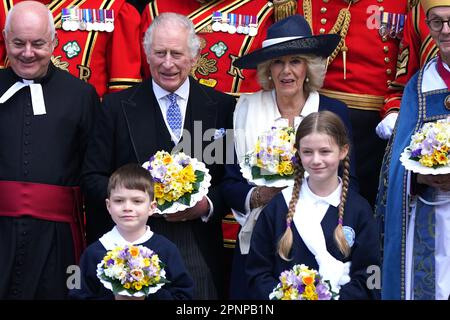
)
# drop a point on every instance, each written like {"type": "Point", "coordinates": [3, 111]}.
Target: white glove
{"type": "Point", "coordinates": [386, 126]}
{"type": "Point", "coordinates": [345, 278]}
{"type": "Point", "coordinates": [334, 271]}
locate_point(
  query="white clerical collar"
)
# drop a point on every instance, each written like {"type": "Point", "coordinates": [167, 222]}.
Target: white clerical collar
{"type": "Point", "coordinates": [311, 106]}
{"type": "Point", "coordinates": [113, 238]}
{"type": "Point", "coordinates": [37, 96]}
{"type": "Point", "coordinates": [182, 91]}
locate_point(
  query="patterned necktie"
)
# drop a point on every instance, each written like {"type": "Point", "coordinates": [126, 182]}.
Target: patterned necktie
{"type": "Point", "coordinates": [174, 115]}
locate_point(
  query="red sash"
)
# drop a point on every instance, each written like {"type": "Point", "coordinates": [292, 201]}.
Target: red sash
{"type": "Point", "coordinates": [46, 202]}
{"type": "Point", "coordinates": [443, 72]}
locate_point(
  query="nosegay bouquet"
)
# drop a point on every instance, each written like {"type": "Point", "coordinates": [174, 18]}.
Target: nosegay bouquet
{"type": "Point", "coordinates": [272, 162]}
{"type": "Point", "coordinates": [132, 271]}
{"type": "Point", "coordinates": [428, 152]}
{"type": "Point", "coordinates": [180, 181]}
{"type": "Point", "coordinates": [302, 283]}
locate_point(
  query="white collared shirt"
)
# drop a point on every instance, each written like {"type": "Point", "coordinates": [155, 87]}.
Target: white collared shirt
{"type": "Point", "coordinates": [113, 238]}
{"type": "Point", "coordinates": [313, 206]}
{"type": "Point", "coordinates": [182, 99]}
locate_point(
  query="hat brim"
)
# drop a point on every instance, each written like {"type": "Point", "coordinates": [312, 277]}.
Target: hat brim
{"type": "Point", "coordinates": [320, 45]}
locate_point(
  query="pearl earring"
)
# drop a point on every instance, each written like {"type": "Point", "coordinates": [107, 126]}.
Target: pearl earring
{"type": "Point", "coordinates": [307, 80]}
{"type": "Point", "coordinates": [269, 77]}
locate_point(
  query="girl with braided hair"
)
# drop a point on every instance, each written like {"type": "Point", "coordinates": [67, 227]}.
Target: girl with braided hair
{"type": "Point", "coordinates": [320, 221]}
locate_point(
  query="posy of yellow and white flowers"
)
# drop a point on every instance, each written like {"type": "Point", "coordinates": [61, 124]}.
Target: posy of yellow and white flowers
{"type": "Point", "coordinates": [430, 145]}
{"type": "Point", "coordinates": [132, 270]}
{"type": "Point", "coordinates": [302, 283]}
{"type": "Point", "coordinates": [176, 179]}
{"type": "Point", "coordinates": [274, 154]}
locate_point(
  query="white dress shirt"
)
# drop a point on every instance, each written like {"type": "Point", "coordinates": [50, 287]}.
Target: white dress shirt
{"type": "Point", "coordinates": [182, 99]}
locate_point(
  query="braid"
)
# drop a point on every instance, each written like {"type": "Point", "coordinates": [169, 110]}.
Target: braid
{"type": "Point", "coordinates": [285, 242]}
{"type": "Point", "coordinates": [322, 122]}
{"type": "Point", "coordinates": [339, 232]}
{"type": "Point", "coordinates": [284, 9]}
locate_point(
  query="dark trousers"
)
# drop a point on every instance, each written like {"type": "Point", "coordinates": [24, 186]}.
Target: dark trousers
{"type": "Point", "coordinates": [369, 151]}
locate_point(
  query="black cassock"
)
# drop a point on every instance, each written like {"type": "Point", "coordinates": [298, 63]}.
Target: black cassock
{"type": "Point", "coordinates": [46, 149]}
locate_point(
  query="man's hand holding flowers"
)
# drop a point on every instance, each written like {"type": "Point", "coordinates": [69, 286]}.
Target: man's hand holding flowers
{"type": "Point", "coordinates": [441, 181]}
{"type": "Point", "coordinates": [201, 209]}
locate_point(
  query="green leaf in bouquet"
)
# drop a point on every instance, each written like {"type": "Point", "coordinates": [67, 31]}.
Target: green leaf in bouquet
{"type": "Point", "coordinates": [186, 199]}
{"type": "Point", "coordinates": [117, 287]}
{"type": "Point", "coordinates": [257, 173]}
{"type": "Point", "coordinates": [164, 206]}
{"type": "Point", "coordinates": [200, 175]}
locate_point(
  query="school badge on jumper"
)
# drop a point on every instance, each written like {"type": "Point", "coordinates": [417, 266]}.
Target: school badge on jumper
{"type": "Point", "coordinates": [349, 235]}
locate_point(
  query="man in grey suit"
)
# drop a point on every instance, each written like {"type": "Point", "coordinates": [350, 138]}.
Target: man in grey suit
{"type": "Point", "coordinates": [134, 124]}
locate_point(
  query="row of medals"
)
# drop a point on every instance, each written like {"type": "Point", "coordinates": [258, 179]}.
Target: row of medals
{"type": "Point", "coordinates": [223, 22]}
{"type": "Point", "coordinates": [392, 25]}
{"type": "Point", "coordinates": [77, 19]}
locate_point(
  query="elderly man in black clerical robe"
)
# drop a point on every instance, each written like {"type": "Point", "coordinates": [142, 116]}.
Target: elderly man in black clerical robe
{"type": "Point", "coordinates": [45, 119]}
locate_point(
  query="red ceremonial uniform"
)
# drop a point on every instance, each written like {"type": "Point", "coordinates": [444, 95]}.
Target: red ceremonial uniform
{"type": "Point", "coordinates": [360, 70]}
{"type": "Point", "coordinates": [370, 62]}
{"type": "Point", "coordinates": [218, 49]}
{"type": "Point", "coordinates": [110, 61]}
{"type": "Point", "coordinates": [416, 49]}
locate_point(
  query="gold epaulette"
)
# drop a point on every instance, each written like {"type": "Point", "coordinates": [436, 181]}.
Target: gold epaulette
{"type": "Point", "coordinates": [284, 8]}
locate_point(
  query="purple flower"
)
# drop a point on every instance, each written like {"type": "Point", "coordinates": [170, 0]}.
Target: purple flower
{"type": "Point", "coordinates": [184, 162]}
{"type": "Point", "coordinates": [123, 254]}
{"type": "Point", "coordinates": [416, 153]}
{"type": "Point", "coordinates": [427, 147]}
{"type": "Point", "coordinates": [133, 263]}
{"type": "Point", "coordinates": [301, 289]}
{"type": "Point", "coordinates": [292, 279]}
{"type": "Point", "coordinates": [159, 174]}
{"type": "Point", "coordinates": [322, 292]}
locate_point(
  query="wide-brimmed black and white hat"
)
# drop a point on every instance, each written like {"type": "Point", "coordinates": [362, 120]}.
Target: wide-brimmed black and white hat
{"type": "Point", "coordinates": [291, 35]}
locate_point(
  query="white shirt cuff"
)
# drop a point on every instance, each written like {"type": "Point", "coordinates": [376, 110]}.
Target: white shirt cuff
{"type": "Point", "coordinates": [211, 210]}
{"type": "Point", "coordinates": [240, 217]}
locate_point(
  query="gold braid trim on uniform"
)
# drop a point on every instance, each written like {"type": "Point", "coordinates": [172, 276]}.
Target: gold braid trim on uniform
{"type": "Point", "coordinates": [340, 27]}
{"type": "Point", "coordinates": [7, 4]}
{"type": "Point", "coordinates": [284, 9]}
{"type": "Point", "coordinates": [412, 3]}
{"type": "Point", "coordinates": [356, 100]}
{"type": "Point", "coordinates": [402, 62]}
